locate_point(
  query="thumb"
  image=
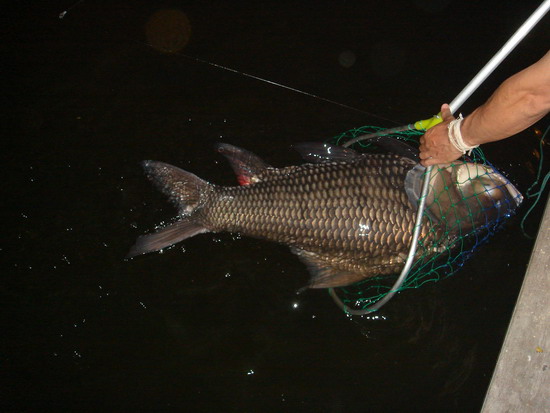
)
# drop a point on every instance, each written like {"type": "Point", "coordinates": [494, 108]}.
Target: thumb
{"type": "Point", "coordinates": [446, 114]}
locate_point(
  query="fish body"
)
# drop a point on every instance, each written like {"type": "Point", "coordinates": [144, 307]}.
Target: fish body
{"type": "Point", "coordinates": [348, 216]}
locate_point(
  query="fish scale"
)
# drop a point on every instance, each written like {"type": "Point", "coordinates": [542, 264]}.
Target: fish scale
{"type": "Point", "coordinates": [325, 209]}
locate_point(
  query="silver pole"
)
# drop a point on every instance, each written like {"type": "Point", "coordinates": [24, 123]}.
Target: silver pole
{"type": "Point", "coordinates": [500, 55]}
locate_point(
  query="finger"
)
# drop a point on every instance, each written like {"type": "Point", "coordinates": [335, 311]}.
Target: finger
{"type": "Point", "coordinates": [428, 162]}
{"type": "Point", "coordinates": [424, 155]}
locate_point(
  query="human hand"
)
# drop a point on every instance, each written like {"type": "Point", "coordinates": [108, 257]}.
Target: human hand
{"type": "Point", "coordinates": [435, 146]}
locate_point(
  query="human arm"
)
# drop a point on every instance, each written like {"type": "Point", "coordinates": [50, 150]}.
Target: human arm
{"type": "Point", "coordinates": [518, 103]}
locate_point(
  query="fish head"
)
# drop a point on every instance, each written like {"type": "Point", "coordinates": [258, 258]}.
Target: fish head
{"type": "Point", "coordinates": [484, 187]}
{"type": "Point", "coordinates": [465, 195]}
{"type": "Point", "coordinates": [471, 195]}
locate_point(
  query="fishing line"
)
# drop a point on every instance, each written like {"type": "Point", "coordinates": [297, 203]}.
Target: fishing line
{"type": "Point", "coordinates": [273, 83]}
{"type": "Point", "coordinates": [64, 12]}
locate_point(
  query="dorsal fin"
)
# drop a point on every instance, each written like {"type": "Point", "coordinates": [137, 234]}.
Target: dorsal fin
{"type": "Point", "coordinates": [247, 166]}
{"type": "Point", "coordinates": [318, 152]}
{"type": "Point", "coordinates": [398, 147]}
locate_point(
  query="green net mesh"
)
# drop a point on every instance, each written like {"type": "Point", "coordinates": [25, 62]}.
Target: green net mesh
{"type": "Point", "coordinates": [461, 214]}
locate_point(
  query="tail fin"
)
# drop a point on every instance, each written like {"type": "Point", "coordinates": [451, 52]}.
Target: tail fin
{"type": "Point", "coordinates": [186, 191]}
{"type": "Point", "coordinates": [182, 188]}
{"type": "Point", "coordinates": [165, 237]}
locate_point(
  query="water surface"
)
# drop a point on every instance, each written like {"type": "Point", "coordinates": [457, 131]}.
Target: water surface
{"type": "Point", "coordinates": [214, 324]}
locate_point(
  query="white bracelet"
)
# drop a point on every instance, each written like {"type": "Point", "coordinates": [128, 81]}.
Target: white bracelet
{"type": "Point", "coordinates": [455, 136]}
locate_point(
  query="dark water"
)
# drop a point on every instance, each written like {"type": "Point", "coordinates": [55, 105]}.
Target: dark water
{"type": "Point", "coordinates": [214, 324]}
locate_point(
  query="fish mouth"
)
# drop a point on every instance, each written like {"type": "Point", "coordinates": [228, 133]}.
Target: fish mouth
{"type": "Point", "coordinates": [487, 181]}
{"type": "Point", "coordinates": [515, 194]}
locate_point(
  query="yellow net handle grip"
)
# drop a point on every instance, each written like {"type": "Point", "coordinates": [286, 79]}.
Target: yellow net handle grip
{"type": "Point", "coordinates": [428, 123]}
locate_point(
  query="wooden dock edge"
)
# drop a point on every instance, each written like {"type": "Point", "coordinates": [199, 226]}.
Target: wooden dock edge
{"type": "Point", "coordinates": [521, 380]}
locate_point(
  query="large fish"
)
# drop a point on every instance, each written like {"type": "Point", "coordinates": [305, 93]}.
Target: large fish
{"type": "Point", "coordinates": [348, 216]}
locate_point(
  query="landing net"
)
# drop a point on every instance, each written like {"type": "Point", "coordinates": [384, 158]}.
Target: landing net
{"type": "Point", "coordinates": [457, 227]}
